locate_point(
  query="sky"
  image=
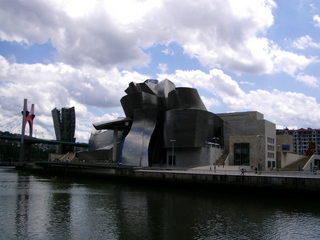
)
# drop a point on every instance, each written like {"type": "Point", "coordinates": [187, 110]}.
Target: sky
{"type": "Point", "coordinates": [241, 55]}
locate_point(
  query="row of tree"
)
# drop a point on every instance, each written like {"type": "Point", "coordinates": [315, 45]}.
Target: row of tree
{"type": "Point", "coordinates": [10, 153]}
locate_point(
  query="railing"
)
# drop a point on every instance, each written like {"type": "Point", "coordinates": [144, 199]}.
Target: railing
{"type": "Point", "coordinates": [295, 174]}
{"type": "Point", "coordinates": [238, 172]}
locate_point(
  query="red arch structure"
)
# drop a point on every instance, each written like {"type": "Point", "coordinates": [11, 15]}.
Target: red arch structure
{"type": "Point", "coordinates": [25, 149]}
{"type": "Point", "coordinates": [27, 117]}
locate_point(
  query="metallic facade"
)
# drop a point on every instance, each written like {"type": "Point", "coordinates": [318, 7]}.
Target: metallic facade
{"type": "Point", "coordinates": [159, 115]}
{"type": "Point", "coordinates": [64, 122]}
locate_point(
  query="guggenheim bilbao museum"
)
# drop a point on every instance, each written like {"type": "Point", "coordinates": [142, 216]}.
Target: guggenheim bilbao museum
{"type": "Point", "coordinates": [168, 126]}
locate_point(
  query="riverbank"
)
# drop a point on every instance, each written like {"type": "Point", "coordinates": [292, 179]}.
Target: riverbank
{"type": "Point", "coordinates": [221, 179]}
{"type": "Point", "coordinates": [38, 206]}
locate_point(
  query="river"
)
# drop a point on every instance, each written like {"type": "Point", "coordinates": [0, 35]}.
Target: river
{"type": "Point", "coordinates": [37, 207]}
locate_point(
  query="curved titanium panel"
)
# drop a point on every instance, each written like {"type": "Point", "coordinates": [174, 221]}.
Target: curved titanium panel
{"type": "Point", "coordinates": [119, 123]}
{"type": "Point", "coordinates": [133, 88]}
{"type": "Point", "coordinates": [139, 100]}
{"type": "Point", "coordinates": [136, 145]}
{"type": "Point", "coordinates": [102, 140]}
{"type": "Point", "coordinates": [163, 89]}
{"type": "Point", "coordinates": [148, 86]}
{"type": "Point", "coordinates": [160, 112]}
{"type": "Point", "coordinates": [189, 98]}
{"type": "Point", "coordinates": [189, 127]}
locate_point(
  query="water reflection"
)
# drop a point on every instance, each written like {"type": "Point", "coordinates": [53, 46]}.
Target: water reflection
{"type": "Point", "coordinates": [35, 207]}
{"type": "Point", "coordinates": [22, 206]}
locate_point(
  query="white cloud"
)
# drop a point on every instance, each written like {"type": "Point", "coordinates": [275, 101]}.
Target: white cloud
{"type": "Point", "coordinates": [77, 8]}
{"type": "Point", "coordinates": [305, 42]}
{"type": "Point", "coordinates": [221, 36]}
{"type": "Point", "coordinates": [310, 81]}
{"type": "Point", "coordinates": [134, 10]}
{"type": "Point", "coordinates": [285, 108]}
{"type": "Point", "coordinates": [282, 108]}
{"type": "Point", "coordinates": [227, 34]}
{"type": "Point", "coordinates": [289, 62]}
{"type": "Point", "coordinates": [60, 85]}
{"type": "Point", "coordinates": [246, 83]}
{"type": "Point", "coordinates": [95, 40]}
{"type": "Point", "coordinates": [316, 19]}
{"type": "Point", "coordinates": [163, 67]}
{"type": "Point", "coordinates": [210, 102]}
{"type": "Point", "coordinates": [168, 51]}
{"type": "Point", "coordinates": [12, 58]}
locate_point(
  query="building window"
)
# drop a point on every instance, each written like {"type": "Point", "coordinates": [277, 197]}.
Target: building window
{"type": "Point", "coordinates": [269, 164]}
{"type": "Point", "coordinates": [270, 155]}
{"type": "Point", "coordinates": [270, 148]}
{"type": "Point", "coordinates": [285, 147]}
{"type": "Point", "coordinates": [241, 154]}
{"type": "Point", "coordinates": [270, 140]}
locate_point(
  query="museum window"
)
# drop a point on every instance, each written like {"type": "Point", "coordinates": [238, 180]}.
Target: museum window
{"type": "Point", "coordinates": [241, 154]}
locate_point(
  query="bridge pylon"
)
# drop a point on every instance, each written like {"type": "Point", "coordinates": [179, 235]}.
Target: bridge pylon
{"type": "Point", "coordinates": [27, 117]}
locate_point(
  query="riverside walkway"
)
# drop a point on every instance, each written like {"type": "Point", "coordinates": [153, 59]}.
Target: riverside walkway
{"type": "Point", "coordinates": [272, 182]}
{"type": "Point", "coordinates": [229, 178]}
{"type": "Point", "coordinates": [210, 170]}
{"type": "Point", "coordinates": [297, 174]}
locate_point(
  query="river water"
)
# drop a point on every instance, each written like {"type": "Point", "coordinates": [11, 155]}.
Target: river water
{"type": "Point", "coordinates": [36, 207]}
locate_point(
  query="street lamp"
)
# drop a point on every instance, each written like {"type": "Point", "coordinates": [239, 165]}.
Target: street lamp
{"type": "Point", "coordinates": [172, 141]}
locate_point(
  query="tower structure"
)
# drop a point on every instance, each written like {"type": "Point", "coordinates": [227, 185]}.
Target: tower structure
{"type": "Point", "coordinates": [64, 122]}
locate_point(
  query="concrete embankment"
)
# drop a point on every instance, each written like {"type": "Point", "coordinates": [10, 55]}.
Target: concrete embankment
{"type": "Point", "coordinates": [5, 164]}
{"type": "Point", "coordinates": [220, 180]}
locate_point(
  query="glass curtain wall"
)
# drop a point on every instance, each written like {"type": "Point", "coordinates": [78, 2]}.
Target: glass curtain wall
{"type": "Point", "coordinates": [241, 154]}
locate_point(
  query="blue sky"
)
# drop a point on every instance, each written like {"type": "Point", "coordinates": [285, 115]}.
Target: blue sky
{"type": "Point", "coordinates": [250, 55]}
{"type": "Point", "coordinates": [29, 54]}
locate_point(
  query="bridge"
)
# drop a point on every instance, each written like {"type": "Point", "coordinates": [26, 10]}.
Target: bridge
{"type": "Point", "coordinates": [31, 140]}
{"type": "Point", "coordinates": [27, 140]}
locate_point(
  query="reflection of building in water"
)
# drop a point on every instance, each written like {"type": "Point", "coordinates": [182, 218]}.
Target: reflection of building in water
{"type": "Point", "coordinates": [168, 126]}
{"type": "Point", "coordinates": [22, 212]}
